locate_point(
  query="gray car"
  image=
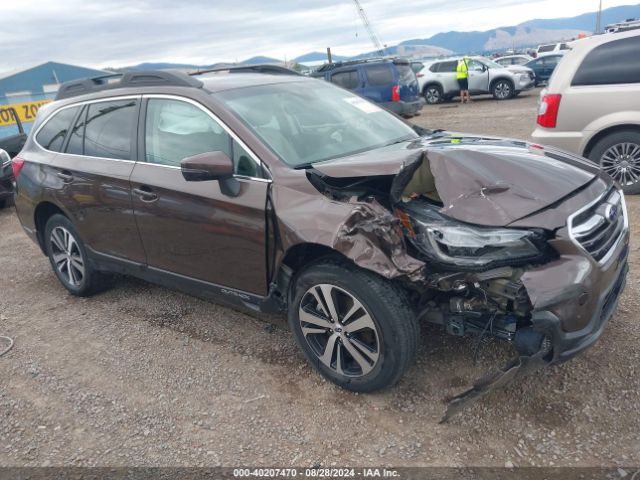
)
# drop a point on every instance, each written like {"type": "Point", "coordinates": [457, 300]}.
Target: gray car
{"type": "Point", "coordinates": [438, 81]}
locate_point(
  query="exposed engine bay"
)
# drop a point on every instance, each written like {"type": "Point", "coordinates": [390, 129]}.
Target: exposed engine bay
{"type": "Point", "coordinates": [472, 259]}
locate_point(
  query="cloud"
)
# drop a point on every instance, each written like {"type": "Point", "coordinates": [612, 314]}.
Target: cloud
{"type": "Point", "coordinates": [124, 32]}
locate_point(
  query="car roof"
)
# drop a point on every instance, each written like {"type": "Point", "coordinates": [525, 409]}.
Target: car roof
{"type": "Point", "coordinates": [597, 40]}
{"type": "Point", "coordinates": [218, 82]}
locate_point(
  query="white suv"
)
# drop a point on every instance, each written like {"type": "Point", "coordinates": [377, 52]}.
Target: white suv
{"type": "Point", "coordinates": [438, 82]}
{"type": "Point", "coordinates": [592, 105]}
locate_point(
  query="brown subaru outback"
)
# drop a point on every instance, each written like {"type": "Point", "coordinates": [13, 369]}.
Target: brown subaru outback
{"type": "Point", "coordinates": [280, 193]}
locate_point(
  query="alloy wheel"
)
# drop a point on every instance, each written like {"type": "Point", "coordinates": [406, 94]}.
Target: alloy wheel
{"type": "Point", "coordinates": [622, 162]}
{"type": "Point", "coordinates": [432, 95]}
{"type": "Point", "coordinates": [67, 256]}
{"type": "Point", "coordinates": [503, 90]}
{"type": "Point", "coordinates": [339, 330]}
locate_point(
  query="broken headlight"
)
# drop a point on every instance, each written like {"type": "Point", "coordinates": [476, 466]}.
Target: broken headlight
{"type": "Point", "coordinates": [465, 245]}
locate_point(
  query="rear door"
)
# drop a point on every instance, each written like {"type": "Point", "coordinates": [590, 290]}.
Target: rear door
{"type": "Point", "coordinates": [446, 75]}
{"type": "Point", "coordinates": [12, 136]}
{"type": "Point", "coordinates": [192, 229]}
{"type": "Point", "coordinates": [90, 175]}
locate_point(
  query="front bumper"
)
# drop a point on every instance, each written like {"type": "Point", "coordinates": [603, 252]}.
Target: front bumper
{"type": "Point", "coordinates": [525, 82]}
{"type": "Point", "coordinates": [405, 108]}
{"type": "Point", "coordinates": [567, 344]}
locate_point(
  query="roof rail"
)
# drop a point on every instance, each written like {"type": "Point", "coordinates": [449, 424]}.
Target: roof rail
{"type": "Point", "coordinates": [330, 66]}
{"type": "Point", "coordinates": [149, 78]}
{"type": "Point", "coordinates": [260, 68]}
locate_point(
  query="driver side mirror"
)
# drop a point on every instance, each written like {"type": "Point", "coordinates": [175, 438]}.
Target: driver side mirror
{"type": "Point", "coordinates": [211, 166]}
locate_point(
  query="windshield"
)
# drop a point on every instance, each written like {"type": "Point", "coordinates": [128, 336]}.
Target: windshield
{"type": "Point", "coordinates": [490, 63]}
{"type": "Point", "coordinates": [313, 121]}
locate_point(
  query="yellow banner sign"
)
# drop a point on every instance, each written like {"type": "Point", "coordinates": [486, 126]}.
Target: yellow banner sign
{"type": "Point", "coordinates": [26, 112]}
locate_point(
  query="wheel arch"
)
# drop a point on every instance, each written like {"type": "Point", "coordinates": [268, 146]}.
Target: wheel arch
{"type": "Point", "coordinates": [43, 212]}
{"type": "Point", "coordinates": [497, 79]}
{"type": "Point", "coordinates": [297, 258]}
{"type": "Point", "coordinates": [605, 133]}
{"type": "Point", "coordinates": [435, 83]}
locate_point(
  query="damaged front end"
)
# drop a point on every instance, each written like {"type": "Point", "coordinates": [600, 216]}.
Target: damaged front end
{"type": "Point", "coordinates": [498, 243]}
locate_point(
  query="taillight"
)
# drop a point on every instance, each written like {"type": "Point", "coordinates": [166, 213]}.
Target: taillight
{"type": "Point", "coordinates": [548, 110]}
{"type": "Point", "coordinates": [16, 165]}
{"type": "Point", "coordinates": [395, 93]}
{"type": "Point", "coordinates": [419, 75]}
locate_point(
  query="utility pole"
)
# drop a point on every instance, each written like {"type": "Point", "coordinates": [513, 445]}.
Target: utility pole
{"type": "Point", "coordinates": [599, 19]}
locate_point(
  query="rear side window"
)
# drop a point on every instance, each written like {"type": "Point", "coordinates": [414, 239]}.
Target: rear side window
{"type": "Point", "coordinates": [546, 48]}
{"type": "Point", "coordinates": [51, 136]}
{"type": "Point", "coordinates": [610, 64]}
{"type": "Point", "coordinates": [406, 76]}
{"type": "Point", "coordinates": [109, 129]}
{"type": "Point", "coordinates": [448, 66]}
{"type": "Point", "coordinates": [348, 80]}
{"type": "Point", "coordinates": [379, 75]}
{"type": "Point", "coordinates": [564, 46]}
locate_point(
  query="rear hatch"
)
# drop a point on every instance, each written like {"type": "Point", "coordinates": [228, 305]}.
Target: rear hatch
{"type": "Point", "coordinates": [407, 81]}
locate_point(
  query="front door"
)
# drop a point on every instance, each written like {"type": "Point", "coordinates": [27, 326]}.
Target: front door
{"type": "Point", "coordinates": [192, 228]}
{"type": "Point", "coordinates": [478, 77]}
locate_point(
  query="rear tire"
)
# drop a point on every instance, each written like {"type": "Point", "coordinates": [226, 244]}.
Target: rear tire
{"type": "Point", "coordinates": [432, 94]}
{"type": "Point", "coordinates": [68, 257]}
{"type": "Point", "coordinates": [619, 156]}
{"type": "Point", "coordinates": [502, 89]}
{"type": "Point", "coordinates": [355, 328]}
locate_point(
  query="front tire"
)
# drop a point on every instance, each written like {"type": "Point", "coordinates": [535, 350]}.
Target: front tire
{"type": "Point", "coordinates": [68, 257]}
{"type": "Point", "coordinates": [502, 90]}
{"type": "Point", "coordinates": [355, 328]}
{"type": "Point", "coordinates": [619, 155]}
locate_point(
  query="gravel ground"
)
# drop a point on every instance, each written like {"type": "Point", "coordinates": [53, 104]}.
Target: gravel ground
{"type": "Point", "coordinates": [141, 375]}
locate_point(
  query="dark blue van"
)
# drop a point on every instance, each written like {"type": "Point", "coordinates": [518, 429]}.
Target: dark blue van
{"type": "Point", "coordinates": [388, 81]}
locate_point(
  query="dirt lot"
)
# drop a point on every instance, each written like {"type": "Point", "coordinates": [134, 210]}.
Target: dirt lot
{"type": "Point", "coordinates": [141, 375]}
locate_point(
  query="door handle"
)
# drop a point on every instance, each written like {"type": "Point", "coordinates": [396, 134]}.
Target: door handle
{"type": "Point", "coordinates": [65, 176]}
{"type": "Point", "coordinates": [145, 194]}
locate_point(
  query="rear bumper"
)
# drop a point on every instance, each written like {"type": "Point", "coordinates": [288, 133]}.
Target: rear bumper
{"type": "Point", "coordinates": [405, 108]}
{"type": "Point", "coordinates": [569, 141]}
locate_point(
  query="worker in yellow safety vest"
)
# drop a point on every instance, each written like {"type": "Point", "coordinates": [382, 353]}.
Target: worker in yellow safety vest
{"type": "Point", "coordinates": [462, 75]}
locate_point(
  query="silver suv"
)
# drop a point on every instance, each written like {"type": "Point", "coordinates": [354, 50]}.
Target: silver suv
{"type": "Point", "coordinates": [592, 105]}
{"type": "Point", "coordinates": [438, 80]}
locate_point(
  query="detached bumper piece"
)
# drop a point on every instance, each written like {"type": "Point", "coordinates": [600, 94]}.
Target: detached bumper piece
{"type": "Point", "coordinates": [558, 346]}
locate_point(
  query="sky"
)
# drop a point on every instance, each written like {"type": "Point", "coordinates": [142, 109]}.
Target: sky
{"type": "Point", "coordinates": [117, 33]}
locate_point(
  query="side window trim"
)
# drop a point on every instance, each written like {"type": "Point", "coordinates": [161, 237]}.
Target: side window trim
{"type": "Point", "coordinates": [140, 155]}
{"type": "Point", "coordinates": [83, 106]}
{"type": "Point", "coordinates": [65, 144]}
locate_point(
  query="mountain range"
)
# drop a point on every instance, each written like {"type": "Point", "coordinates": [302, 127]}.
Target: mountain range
{"type": "Point", "coordinates": [526, 34]}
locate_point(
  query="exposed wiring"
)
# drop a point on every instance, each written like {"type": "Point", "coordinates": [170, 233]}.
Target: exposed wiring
{"type": "Point", "coordinates": [489, 325]}
{"type": "Point", "coordinates": [8, 340]}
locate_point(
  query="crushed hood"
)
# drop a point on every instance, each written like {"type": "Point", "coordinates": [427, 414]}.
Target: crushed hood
{"type": "Point", "coordinates": [480, 181]}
